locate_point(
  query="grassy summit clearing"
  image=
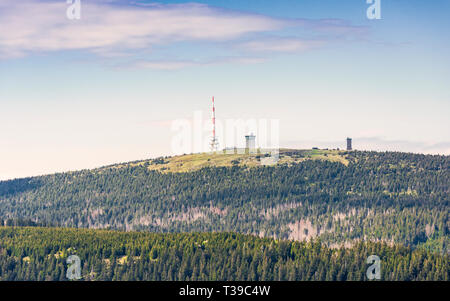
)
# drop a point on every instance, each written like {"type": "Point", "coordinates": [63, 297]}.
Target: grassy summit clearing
{"type": "Point", "coordinates": [194, 162]}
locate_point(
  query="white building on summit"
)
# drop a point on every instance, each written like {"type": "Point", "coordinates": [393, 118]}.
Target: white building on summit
{"type": "Point", "coordinates": [250, 143]}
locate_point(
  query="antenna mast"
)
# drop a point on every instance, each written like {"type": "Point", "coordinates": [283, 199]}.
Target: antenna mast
{"type": "Point", "coordinates": [214, 141]}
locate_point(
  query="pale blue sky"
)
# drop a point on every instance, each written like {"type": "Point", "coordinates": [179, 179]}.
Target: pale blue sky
{"type": "Point", "coordinates": [103, 89]}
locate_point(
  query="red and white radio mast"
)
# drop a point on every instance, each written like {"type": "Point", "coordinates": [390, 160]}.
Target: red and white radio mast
{"type": "Point", "coordinates": [214, 141]}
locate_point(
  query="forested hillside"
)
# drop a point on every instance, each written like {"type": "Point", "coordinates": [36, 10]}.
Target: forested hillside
{"type": "Point", "coordinates": [41, 254]}
{"type": "Point", "coordinates": [340, 197]}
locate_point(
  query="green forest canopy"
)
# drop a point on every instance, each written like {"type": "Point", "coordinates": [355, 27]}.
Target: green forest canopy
{"type": "Point", "coordinates": [30, 253]}
{"type": "Point", "coordinates": [392, 197]}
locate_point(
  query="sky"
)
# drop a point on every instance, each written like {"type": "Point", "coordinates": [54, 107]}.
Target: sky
{"type": "Point", "coordinates": [107, 87]}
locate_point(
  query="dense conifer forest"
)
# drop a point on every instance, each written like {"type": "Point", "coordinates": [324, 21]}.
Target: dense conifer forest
{"type": "Point", "coordinates": [391, 197]}
{"type": "Point", "coordinates": [28, 253]}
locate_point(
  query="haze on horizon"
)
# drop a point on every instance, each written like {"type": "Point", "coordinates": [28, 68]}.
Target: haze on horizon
{"type": "Point", "coordinates": [104, 89]}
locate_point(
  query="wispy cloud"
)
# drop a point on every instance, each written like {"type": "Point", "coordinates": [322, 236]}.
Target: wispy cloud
{"type": "Point", "coordinates": [383, 144]}
{"type": "Point", "coordinates": [162, 123]}
{"type": "Point", "coordinates": [335, 27]}
{"type": "Point", "coordinates": [170, 65]}
{"type": "Point", "coordinates": [378, 144]}
{"type": "Point", "coordinates": [36, 26]}
{"type": "Point", "coordinates": [163, 65]}
{"type": "Point", "coordinates": [116, 30]}
{"type": "Point", "coordinates": [277, 44]}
